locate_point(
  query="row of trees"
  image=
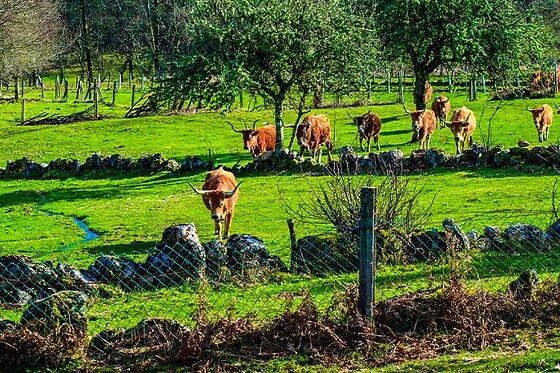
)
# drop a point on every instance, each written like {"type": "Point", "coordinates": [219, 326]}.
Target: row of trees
{"type": "Point", "coordinates": [207, 52]}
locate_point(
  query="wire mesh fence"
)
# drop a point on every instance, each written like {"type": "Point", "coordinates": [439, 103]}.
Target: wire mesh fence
{"type": "Point", "coordinates": [186, 281]}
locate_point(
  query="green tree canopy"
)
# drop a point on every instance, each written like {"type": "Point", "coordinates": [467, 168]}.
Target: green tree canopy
{"type": "Point", "coordinates": [491, 36]}
{"type": "Point", "coordinates": [271, 48]}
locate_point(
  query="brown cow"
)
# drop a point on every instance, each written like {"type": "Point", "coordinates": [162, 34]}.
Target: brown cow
{"type": "Point", "coordinates": [423, 124]}
{"type": "Point", "coordinates": [261, 140]}
{"type": "Point", "coordinates": [249, 133]}
{"type": "Point", "coordinates": [312, 133]}
{"type": "Point", "coordinates": [462, 125]}
{"type": "Point", "coordinates": [441, 107]}
{"type": "Point", "coordinates": [219, 193]}
{"type": "Point", "coordinates": [369, 125]}
{"type": "Point", "coordinates": [542, 117]}
{"type": "Point", "coordinates": [428, 94]}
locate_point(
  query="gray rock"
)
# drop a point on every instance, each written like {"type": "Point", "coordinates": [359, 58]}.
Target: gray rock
{"type": "Point", "coordinates": [454, 235]}
{"type": "Point", "coordinates": [525, 284]}
{"type": "Point", "coordinates": [181, 247]}
{"type": "Point", "coordinates": [523, 143]}
{"type": "Point", "coordinates": [248, 254]}
{"type": "Point", "coordinates": [473, 237]}
{"type": "Point", "coordinates": [12, 296]}
{"type": "Point", "coordinates": [526, 237]}
{"type": "Point", "coordinates": [426, 246]}
{"type": "Point", "coordinates": [48, 315]}
{"type": "Point", "coordinates": [494, 239]}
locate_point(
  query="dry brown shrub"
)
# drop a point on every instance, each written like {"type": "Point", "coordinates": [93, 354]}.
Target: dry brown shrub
{"type": "Point", "coordinates": [22, 348]}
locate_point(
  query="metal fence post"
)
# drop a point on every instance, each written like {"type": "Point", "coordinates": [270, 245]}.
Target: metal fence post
{"type": "Point", "coordinates": [367, 251]}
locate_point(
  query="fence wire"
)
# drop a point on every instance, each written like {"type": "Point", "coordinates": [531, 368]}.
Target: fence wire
{"type": "Point", "coordinates": [186, 281]}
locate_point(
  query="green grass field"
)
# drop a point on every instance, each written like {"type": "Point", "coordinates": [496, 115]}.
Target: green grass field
{"type": "Point", "coordinates": [129, 212]}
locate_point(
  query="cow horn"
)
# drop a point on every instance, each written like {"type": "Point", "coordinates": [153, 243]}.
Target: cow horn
{"type": "Point", "coordinates": [198, 191]}
{"type": "Point", "coordinates": [445, 123]}
{"type": "Point", "coordinates": [529, 109]}
{"type": "Point", "coordinates": [405, 109]}
{"type": "Point", "coordinates": [229, 194]}
{"type": "Point", "coordinates": [255, 124]}
{"type": "Point", "coordinates": [443, 102]}
{"type": "Point", "coordinates": [466, 121]}
{"type": "Point", "coordinates": [233, 128]}
{"type": "Point", "coordinates": [351, 117]}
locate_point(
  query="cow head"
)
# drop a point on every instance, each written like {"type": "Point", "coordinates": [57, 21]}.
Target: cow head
{"type": "Point", "coordinates": [302, 133]}
{"type": "Point", "coordinates": [537, 115]}
{"type": "Point", "coordinates": [217, 200]}
{"type": "Point", "coordinates": [440, 106]}
{"type": "Point", "coordinates": [361, 122]}
{"type": "Point", "coordinates": [458, 128]}
{"type": "Point", "coordinates": [417, 117]}
{"type": "Point", "coordinates": [246, 133]}
{"type": "Point", "coordinates": [252, 143]}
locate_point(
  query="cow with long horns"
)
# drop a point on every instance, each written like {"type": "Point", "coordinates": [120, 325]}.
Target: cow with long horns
{"type": "Point", "coordinates": [542, 118]}
{"type": "Point", "coordinates": [257, 140]}
{"type": "Point", "coordinates": [462, 125]}
{"type": "Point", "coordinates": [312, 133]}
{"type": "Point", "coordinates": [423, 124]}
{"type": "Point", "coordinates": [441, 107]}
{"type": "Point", "coordinates": [219, 194]}
{"type": "Point", "coordinates": [369, 126]}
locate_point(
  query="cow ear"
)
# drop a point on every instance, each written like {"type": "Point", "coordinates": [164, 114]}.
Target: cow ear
{"type": "Point", "coordinates": [465, 124]}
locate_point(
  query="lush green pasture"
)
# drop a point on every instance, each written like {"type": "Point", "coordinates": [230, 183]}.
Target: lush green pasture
{"type": "Point", "coordinates": [179, 136]}
{"type": "Point", "coordinates": [129, 212]}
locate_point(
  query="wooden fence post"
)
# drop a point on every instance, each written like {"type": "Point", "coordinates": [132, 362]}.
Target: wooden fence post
{"type": "Point", "coordinates": [293, 243]}
{"type": "Point", "coordinates": [22, 110]}
{"type": "Point", "coordinates": [366, 288]}
{"type": "Point", "coordinates": [132, 97]}
{"type": "Point", "coordinates": [401, 88]}
{"type": "Point", "coordinates": [95, 101]}
{"type": "Point", "coordinates": [389, 81]}
{"type": "Point", "coordinates": [65, 96]}
{"type": "Point", "coordinates": [56, 89]}
{"type": "Point", "coordinates": [114, 92]}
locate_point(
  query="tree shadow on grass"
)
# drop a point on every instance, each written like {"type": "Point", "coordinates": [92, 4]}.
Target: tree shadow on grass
{"type": "Point", "coordinates": [135, 248]}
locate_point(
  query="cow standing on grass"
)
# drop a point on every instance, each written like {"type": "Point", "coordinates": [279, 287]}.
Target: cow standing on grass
{"type": "Point", "coordinates": [423, 124]}
{"type": "Point", "coordinates": [369, 125]}
{"type": "Point", "coordinates": [462, 125]}
{"type": "Point", "coordinates": [441, 107]}
{"type": "Point", "coordinates": [312, 133]}
{"type": "Point", "coordinates": [219, 194]}
{"type": "Point", "coordinates": [257, 140]}
{"type": "Point", "coordinates": [542, 117]}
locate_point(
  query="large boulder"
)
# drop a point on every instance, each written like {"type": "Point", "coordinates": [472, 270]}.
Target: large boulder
{"type": "Point", "coordinates": [248, 255]}
{"type": "Point", "coordinates": [48, 315]}
{"type": "Point", "coordinates": [493, 240]}
{"type": "Point", "coordinates": [325, 254]}
{"type": "Point", "coordinates": [181, 249]}
{"type": "Point", "coordinates": [426, 246]}
{"type": "Point", "coordinates": [112, 269]}
{"type": "Point", "coordinates": [526, 238]}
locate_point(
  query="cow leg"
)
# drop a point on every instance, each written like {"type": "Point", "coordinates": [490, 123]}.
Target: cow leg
{"type": "Point", "coordinates": [218, 229]}
{"type": "Point", "coordinates": [329, 146]}
{"type": "Point", "coordinates": [457, 147]}
{"type": "Point", "coordinates": [546, 133]}
{"type": "Point", "coordinates": [376, 138]}
{"type": "Point", "coordinates": [229, 218]}
{"type": "Point", "coordinates": [320, 158]}
{"type": "Point", "coordinates": [361, 145]}
{"type": "Point", "coordinates": [301, 150]}
{"type": "Point", "coordinates": [368, 144]}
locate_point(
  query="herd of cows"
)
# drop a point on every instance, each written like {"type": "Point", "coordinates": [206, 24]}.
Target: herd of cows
{"type": "Point", "coordinates": [220, 189]}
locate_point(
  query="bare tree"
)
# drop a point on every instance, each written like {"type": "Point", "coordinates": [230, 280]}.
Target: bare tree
{"type": "Point", "coordinates": [29, 34]}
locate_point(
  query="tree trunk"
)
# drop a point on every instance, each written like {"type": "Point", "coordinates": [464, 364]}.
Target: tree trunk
{"type": "Point", "coordinates": [419, 92]}
{"type": "Point", "coordinates": [279, 122]}
{"type": "Point", "coordinates": [85, 41]}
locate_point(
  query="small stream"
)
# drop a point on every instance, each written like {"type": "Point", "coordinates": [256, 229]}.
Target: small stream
{"type": "Point", "coordinates": [89, 234]}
